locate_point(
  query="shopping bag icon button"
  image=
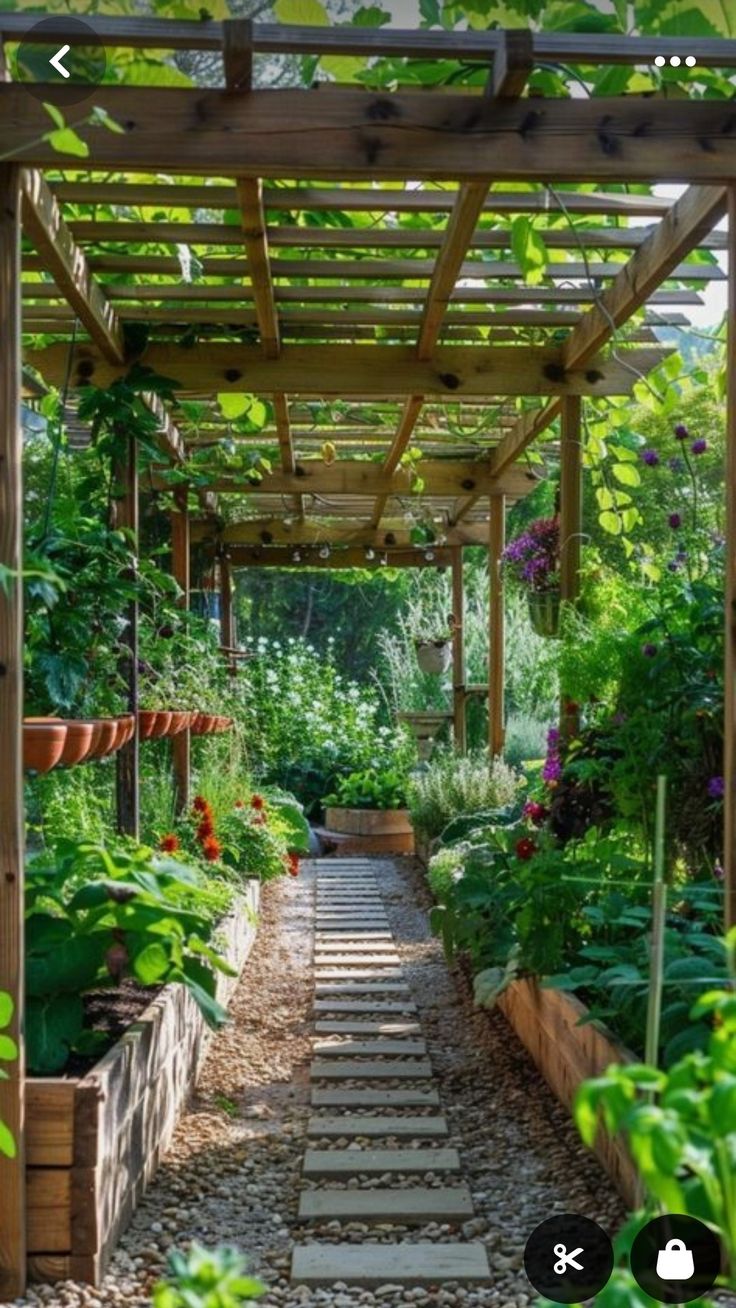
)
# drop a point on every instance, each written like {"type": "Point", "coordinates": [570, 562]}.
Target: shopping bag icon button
{"type": "Point", "coordinates": [675, 1262]}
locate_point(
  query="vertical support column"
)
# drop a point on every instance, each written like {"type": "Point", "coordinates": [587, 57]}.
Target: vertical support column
{"type": "Point", "coordinates": [571, 526]}
{"type": "Point", "coordinates": [128, 788]}
{"type": "Point", "coordinates": [460, 734]}
{"type": "Point", "coordinates": [227, 623]}
{"type": "Point", "coordinates": [496, 543]}
{"type": "Point", "coordinates": [12, 1091]}
{"type": "Point", "coordinates": [181, 751]}
{"type": "Point", "coordinates": [729, 723]}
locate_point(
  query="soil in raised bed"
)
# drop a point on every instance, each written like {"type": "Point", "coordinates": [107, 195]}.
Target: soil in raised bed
{"type": "Point", "coordinates": [110, 1011]}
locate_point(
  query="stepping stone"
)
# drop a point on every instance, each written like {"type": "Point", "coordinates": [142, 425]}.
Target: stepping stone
{"type": "Point", "coordinates": [382, 1264]}
{"type": "Point", "coordinates": [333, 1026]}
{"type": "Point", "coordinates": [352, 942]}
{"type": "Point", "coordinates": [349, 1069]}
{"type": "Point", "coordinates": [322, 1164]}
{"type": "Point", "coordinates": [350, 987]}
{"type": "Point", "coordinates": [352, 924]}
{"type": "Point", "coordinates": [398, 1207]}
{"type": "Point", "coordinates": [363, 1006]}
{"type": "Point", "coordinates": [367, 1048]}
{"type": "Point", "coordinates": [389, 1124]}
{"type": "Point", "coordinates": [362, 960]}
{"type": "Point", "coordinates": [335, 1097]}
{"type": "Point", "coordinates": [385, 973]}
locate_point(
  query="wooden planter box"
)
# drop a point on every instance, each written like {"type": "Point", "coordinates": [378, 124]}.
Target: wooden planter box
{"type": "Point", "coordinates": [370, 830]}
{"type": "Point", "coordinates": [93, 1144]}
{"type": "Point", "coordinates": [546, 1022]}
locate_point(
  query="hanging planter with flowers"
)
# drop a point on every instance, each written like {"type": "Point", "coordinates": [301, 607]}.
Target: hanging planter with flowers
{"type": "Point", "coordinates": [534, 559]}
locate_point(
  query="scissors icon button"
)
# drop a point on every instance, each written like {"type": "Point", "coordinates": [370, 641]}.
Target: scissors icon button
{"type": "Point", "coordinates": [566, 1259]}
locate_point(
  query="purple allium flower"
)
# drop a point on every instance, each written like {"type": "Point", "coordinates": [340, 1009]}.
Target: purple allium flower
{"type": "Point", "coordinates": [699, 446]}
{"type": "Point", "coordinates": [675, 521]}
{"type": "Point", "coordinates": [718, 871]}
{"type": "Point", "coordinates": [681, 432]}
{"type": "Point", "coordinates": [553, 737]}
{"type": "Point", "coordinates": [649, 651]}
{"type": "Point", "coordinates": [552, 770]}
{"type": "Point", "coordinates": [676, 464]}
{"type": "Point", "coordinates": [650, 457]}
{"type": "Point", "coordinates": [716, 787]}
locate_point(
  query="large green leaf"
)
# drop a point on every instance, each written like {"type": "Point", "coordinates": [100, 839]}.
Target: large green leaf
{"type": "Point", "coordinates": [52, 1026]}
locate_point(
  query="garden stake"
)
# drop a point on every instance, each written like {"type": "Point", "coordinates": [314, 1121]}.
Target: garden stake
{"type": "Point", "coordinates": [659, 906]}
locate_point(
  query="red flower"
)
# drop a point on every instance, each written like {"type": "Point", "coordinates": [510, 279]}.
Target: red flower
{"type": "Point", "coordinates": [200, 805]}
{"type": "Point", "coordinates": [258, 802]}
{"type": "Point", "coordinates": [205, 829]}
{"type": "Point", "coordinates": [292, 864]}
{"type": "Point", "coordinates": [239, 803]}
{"type": "Point", "coordinates": [169, 843]}
{"type": "Point", "coordinates": [525, 848]}
{"type": "Point", "coordinates": [535, 812]}
{"type": "Point", "coordinates": [212, 849]}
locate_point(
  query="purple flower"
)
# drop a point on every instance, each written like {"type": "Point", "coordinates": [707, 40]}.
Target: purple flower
{"type": "Point", "coordinates": [553, 738]}
{"type": "Point", "coordinates": [649, 651]}
{"type": "Point", "coordinates": [716, 787]}
{"type": "Point", "coordinates": [650, 457]}
{"type": "Point", "coordinates": [552, 770]}
{"type": "Point", "coordinates": [699, 446]}
{"type": "Point", "coordinates": [681, 432]}
{"type": "Point", "coordinates": [718, 871]}
{"type": "Point", "coordinates": [675, 521]}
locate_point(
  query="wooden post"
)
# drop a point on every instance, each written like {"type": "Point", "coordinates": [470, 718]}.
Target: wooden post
{"type": "Point", "coordinates": [12, 1091]}
{"type": "Point", "coordinates": [181, 751]}
{"type": "Point", "coordinates": [458, 653]}
{"type": "Point", "coordinates": [571, 526]}
{"type": "Point", "coordinates": [729, 724]}
{"type": "Point", "coordinates": [227, 625]}
{"type": "Point", "coordinates": [128, 787]}
{"type": "Point", "coordinates": [496, 542]}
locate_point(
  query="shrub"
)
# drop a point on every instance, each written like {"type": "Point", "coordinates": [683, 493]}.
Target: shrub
{"type": "Point", "coordinates": [444, 869]}
{"type": "Point", "coordinates": [371, 788]}
{"type": "Point", "coordinates": [525, 739]}
{"type": "Point", "coordinates": [206, 1278]}
{"type": "Point", "coordinates": [452, 785]}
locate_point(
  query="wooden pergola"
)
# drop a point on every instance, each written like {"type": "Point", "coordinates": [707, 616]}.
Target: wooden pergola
{"type": "Point", "coordinates": [398, 345]}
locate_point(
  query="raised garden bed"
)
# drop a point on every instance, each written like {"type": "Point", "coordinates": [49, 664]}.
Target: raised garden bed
{"type": "Point", "coordinates": [546, 1022]}
{"type": "Point", "coordinates": [369, 830]}
{"type": "Point", "coordinates": [95, 1142]}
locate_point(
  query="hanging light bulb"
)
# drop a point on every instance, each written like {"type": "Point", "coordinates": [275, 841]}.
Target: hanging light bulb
{"type": "Point", "coordinates": [429, 555]}
{"type": "Point", "coordinates": [324, 552]}
{"type": "Point", "coordinates": [370, 553]}
{"type": "Point", "coordinates": [383, 560]}
{"type": "Point", "coordinates": [296, 556]}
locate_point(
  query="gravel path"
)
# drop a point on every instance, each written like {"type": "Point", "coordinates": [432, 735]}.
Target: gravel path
{"type": "Point", "coordinates": [233, 1172]}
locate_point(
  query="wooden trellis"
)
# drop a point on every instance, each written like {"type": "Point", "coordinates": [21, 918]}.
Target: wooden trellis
{"type": "Point", "coordinates": [416, 332]}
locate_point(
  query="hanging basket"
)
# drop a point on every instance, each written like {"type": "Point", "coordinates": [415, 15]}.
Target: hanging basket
{"type": "Point", "coordinates": [544, 612]}
{"type": "Point", "coordinates": [434, 656]}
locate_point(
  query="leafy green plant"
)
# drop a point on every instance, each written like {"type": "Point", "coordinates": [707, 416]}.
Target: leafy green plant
{"type": "Point", "coordinates": [680, 1124]}
{"type": "Point", "coordinates": [8, 1054]}
{"type": "Point", "coordinates": [371, 788]}
{"type": "Point", "coordinates": [206, 1278]}
{"type": "Point", "coordinates": [96, 914]}
{"type": "Point", "coordinates": [450, 786]}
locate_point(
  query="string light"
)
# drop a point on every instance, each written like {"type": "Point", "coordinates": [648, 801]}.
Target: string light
{"type": "Point", "coordinates": [429, 555]}
{"type": "Point", "coordinates": [296, 556]}
{"type": "Point", "coordinates": [370, 553]}
{"type": "Point", "coordinates": [675, 61]}
{"type": "Point", "coordinates": [383, 560]}
{"type": "Point", "coordinates": [324, 552]}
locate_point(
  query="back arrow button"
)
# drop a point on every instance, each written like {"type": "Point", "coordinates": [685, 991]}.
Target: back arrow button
{"type": "Point", "coordinates": [56, 59]}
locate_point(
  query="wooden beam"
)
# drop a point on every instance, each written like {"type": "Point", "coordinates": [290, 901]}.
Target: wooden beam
{"type": "Point", "coordinates": [12, 827]}
{"type": "Point", "coordinates": [180, 567]}
{"type": "Point", "coordinates": [729, 712]}
{"type": "Point", "coordinates": [459, 704]}
{"type": "Point", "coordinates": [358, 135]}
{"type": "Point", "coordinates": [441, 477]}
{"type": "Point", "coordinates": [685, 224]}
{"type": "Point", "coordinates": [227, 617]}
{"type": "Point", "coordinates": [344, 370]}
{"type": "Point", "coordinates": [571, 526]}
{"type": "Point", "coordinates": [457, 239]}
{"type": "Point", "coordinates": [347, 199]}
{"type": "Point", "coordinates": [513, 62]}
{"type": "Point", "coordinates": [496, 633]}
{"type": "Point", "coordinates": [312, 531]}
{"type": "Point", "coordinates": [67, 264]}
{"type": "Point", "coordinates": [248, 556]}
{"type": "Point", "coordinates": [409, 417]}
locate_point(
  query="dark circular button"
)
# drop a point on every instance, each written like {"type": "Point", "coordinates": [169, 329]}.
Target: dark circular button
{"type": "Point", "coordinates": [675, 1259]}
{"type": "Point", "coordinates": [568, 1258]}
{"type": "Point", "coordinates": [60, 61]}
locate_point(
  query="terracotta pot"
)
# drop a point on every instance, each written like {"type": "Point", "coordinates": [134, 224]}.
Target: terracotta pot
{"type": "Point", "coordinates": [204, 725]}
{"type": "Point", "coordinates": [107, 741]}
{"type": "Point", "coordinates": [79, 737]}
{"type": "Point", "coordinates": [127, 728]}
{"type": "Point", "coordinates": [224, 724]}
{"type": "Point", "coordinates": [434, 656]}
{"type": "Point", "coordinates": [179, 722]}
{"type": "Point", "coordinates": [153, 723]}
{"type": "Point", "coordinates": [43, 743]}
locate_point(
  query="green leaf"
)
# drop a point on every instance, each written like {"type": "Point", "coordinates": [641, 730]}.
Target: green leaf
{"type": "Point", "coordinates": [529, 250]}
{"type": "Point", "coordinates": [7, 1007]}
{"type": "Point", "coordinates": [306, 13]}
{"type": "Point", "coordinates": [52, 1026]}
{"type": "Point", "coordinates": [626, 473]}
{"type": "Point", "coordinates": [7, 1143]}
{"type": "Point", "coordinates": [54, 114]}
{"type": "Point", "coordinates": [234, 405]}
{"type": "Point", "coordinates": [611, 523]}
{"type": "Point", "coordinates": [151, 964]}
{"type": "Point", "coordinates": [66, 141]}
{"type": "Point", "coordinates": [8, 1049]}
